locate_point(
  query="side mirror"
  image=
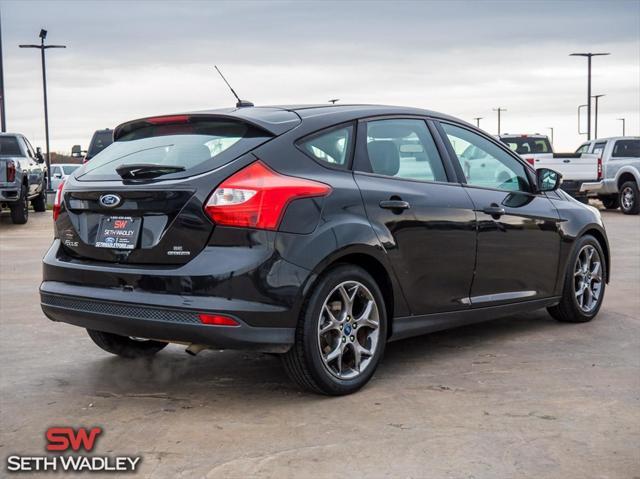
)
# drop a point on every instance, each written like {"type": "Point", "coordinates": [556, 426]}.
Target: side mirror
{"type": "Point", "coordinates": [39, 157]}
{"type": "Point", "coordinates": [76, 151]}
{"type": "Point", "coordinates": [548, 180]}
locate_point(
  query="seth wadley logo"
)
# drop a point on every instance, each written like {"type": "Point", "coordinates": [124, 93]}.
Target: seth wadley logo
{"type": "Point", "coordinates": [67, 439]}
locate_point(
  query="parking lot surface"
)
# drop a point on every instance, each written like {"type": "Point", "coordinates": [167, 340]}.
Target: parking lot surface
{"type": "Point", "coordinates": [523, 396]}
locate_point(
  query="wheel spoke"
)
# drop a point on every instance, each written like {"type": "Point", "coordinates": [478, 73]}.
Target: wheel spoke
{"type": "Point", "coordinates": [336, 353]}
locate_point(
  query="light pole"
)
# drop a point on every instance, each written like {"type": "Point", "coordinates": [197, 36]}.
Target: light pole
{"type": "Point", "coordinates": [42, 47]}
{"type": "Point", "coordinates": [595, 120]}
{"type": "Point", "coordinates": [623, 122]}
{"type": "Point", "coordinates": [477, 119]}
{"type": "Point", "coordinates": [499, 110]}
{"type": "Point", "coordinates": [3, 116]}
{"type": "Point", "coordinates": [551, 128]}
{"type": "Point", "coordinates": [589, 56]}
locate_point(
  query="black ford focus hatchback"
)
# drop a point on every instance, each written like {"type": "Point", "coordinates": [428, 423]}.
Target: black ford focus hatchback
{"type": "Point", "coordinates": [316, 232]}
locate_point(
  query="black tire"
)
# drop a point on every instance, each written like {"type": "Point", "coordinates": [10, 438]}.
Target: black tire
{"type": "Point", "coordinates": [630, 198]}
{"type": "Point", "coordinates": [124, 346]}
{"type": "Point", "coordinates": [39, 203]}
{"type": "Point", "coordinates": [610, 202]}
{"type": "Point", "coordinates": [303, 362]}
{"type": "Point", "coordinates": [20, 208]}
{"type": "Point", "coordinates": [568, 310]}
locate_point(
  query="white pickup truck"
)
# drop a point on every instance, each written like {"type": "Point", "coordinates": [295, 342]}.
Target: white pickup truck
{"type": "Point", "coordinates": [576, 168]}
{"type": "Point", "coordinates": [620, 160]}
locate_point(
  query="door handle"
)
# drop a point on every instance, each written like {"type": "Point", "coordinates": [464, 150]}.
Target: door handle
{"type": "Point", "coordinates": [395, 205]}
{"type": "Point", "coordinates": [494, 210]}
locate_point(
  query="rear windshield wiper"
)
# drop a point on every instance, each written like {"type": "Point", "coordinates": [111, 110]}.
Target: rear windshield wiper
{"type": "Point", "coordinates": [146, 171]}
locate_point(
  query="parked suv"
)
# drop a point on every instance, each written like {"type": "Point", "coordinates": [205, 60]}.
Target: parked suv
{"type": "Point", "coordinates": [23, 177]}
{"type": "Point", "coordinates": [620, 172]}
{"type": "Point", "coordinates": [318, 232]}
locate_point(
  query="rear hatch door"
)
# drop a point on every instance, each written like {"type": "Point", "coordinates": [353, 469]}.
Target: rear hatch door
{"type": "Point", "coordinates": [155, 215]}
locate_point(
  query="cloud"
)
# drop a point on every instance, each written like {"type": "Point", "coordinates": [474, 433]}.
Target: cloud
{"type": "Point", "coordinates": [126, 60]}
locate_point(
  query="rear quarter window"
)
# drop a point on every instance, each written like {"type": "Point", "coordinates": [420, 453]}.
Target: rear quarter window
{"type": "Point", "coordinates": [331, 147]}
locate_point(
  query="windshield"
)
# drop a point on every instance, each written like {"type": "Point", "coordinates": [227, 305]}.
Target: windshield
{"type": "Point", "coordinates": [189, 145]}
{"type": "Point", "coordinates": [528, 145]}
{"type": "Point", "coordinates": [9, 146]}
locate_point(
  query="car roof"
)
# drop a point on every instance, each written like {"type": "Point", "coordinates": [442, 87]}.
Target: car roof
{"type": "Point", "coordinates": [616, 138]}
{"type": "Point", "coordinates": [278, 119]}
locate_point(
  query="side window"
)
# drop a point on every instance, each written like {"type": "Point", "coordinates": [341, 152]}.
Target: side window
{"type": "Point", "coordinates": [485, 164]}
{"type": "Point", "coordinates": [330, 146]}
{"type": "Point", "coordinates": [403, 149]}
{"type": "Point", "coordinates": [626, 149]}
{"type": "Point", "coordinates": [56, 171]}
{"type": "Point", "coordinates": [583, 149]}
{"type": "Point", "coordinates": [27, 148]}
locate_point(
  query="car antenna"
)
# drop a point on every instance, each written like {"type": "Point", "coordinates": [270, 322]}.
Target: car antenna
{"type": "Point", "coordinates": [334, 100]}
{"type": "Point", "coordinates": [241, 103]}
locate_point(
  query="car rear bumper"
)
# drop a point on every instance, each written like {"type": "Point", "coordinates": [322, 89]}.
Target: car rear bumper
{"type": "Point", "coordinates": [9, 195]}
{"type": "Point", "coordinates": [573, 187]}
{"type": "Point", "coordinates": [604, 187]}
{"type": "Point", "coordinates": [93, 308]}
{"type": "Point", "coordinates": [262, 293]}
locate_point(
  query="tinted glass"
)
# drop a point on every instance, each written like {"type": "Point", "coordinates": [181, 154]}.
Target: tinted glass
{"type": "Point", "coordinates": [531, 145]}
{"type": "Point", "coordinates": [403, 149]}
{"type": "Point", "coordinates": [485, 164]}
{"type": "Point", "coordinates": [331, 147]}
{"type": "Point", "coordinates": [100, 140]}
{"type": "Point", "coordinates": [627, 149]}
{"type": "Point", "coordinates": [193, 146]}
{"type": "Point", "coordinates": [9, 146]}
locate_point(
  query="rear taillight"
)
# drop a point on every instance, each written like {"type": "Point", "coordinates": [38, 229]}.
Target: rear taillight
{"type": "Point", "coordinates": [256, 197]}
{"type": "Point", "coordinates": [531, 161]}
{"type": "Point", "coordinates": [57, 202]}
{"type": "Point", "coordinates": [11, 171]}
{"type": "Point", "coordinates": [599, 168]}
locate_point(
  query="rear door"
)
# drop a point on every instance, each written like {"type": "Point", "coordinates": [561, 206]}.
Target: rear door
{"type": "Point", "coordinates": [152, 219]}
{"type": "Point", "coordinates": [424, 220]}
{"type": "Point", "coordinates": [518, 233]}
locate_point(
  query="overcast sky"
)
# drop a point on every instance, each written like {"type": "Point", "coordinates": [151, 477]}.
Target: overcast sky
{"type": "Point", "coordinates": [130, 59]}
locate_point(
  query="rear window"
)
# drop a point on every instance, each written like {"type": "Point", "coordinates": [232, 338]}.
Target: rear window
{"type": "Point", "coordinates": [198, 146]}
{"type": "Point", "coordinates": [627, 149]}
{"type": "Point", "coordinates": [528, 145]}
{"type": "Point", "coordinates": [9, 146]}
{"type": "Point", "coordinates": [68, 169]}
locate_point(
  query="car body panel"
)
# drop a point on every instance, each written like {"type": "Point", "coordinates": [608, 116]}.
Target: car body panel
{"type": "Point", "coordinates": [262, 277]}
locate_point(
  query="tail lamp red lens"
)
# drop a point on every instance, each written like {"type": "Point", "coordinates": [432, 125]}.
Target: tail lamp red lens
{"type": "Point", "coordinates": [57, 202]}
{"type": "Point", "coordinates": [599, 168]}
{"type": "Point", "coordinates": [257, 196]}
{"type": "Point", "coordinates": [11, 171]}
{"type": "Point", "coordinates": [531, 161]}
{"type": "Point", "coordinates": [217, 320]}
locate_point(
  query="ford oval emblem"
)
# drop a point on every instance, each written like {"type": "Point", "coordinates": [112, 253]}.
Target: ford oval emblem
{"type": "Point", "coordinates": [110, 201]}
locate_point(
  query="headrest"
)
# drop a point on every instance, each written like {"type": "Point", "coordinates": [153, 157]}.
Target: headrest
{"type": "Point", "coordinates": [384, 157]}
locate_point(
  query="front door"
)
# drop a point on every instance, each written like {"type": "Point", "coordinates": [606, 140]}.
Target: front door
{"type": "Point", "coordinates": [518, 233]}
{"type": "Point", "coordinates": [424, 220]}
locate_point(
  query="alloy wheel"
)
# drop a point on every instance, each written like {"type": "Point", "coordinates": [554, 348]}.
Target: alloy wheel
{"type": "Point", "coordinates": [627, 198]}
{"type": "Point", "coordinates": [348, 330]}
{"type": "Point", "coordinates": [588, 278]}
